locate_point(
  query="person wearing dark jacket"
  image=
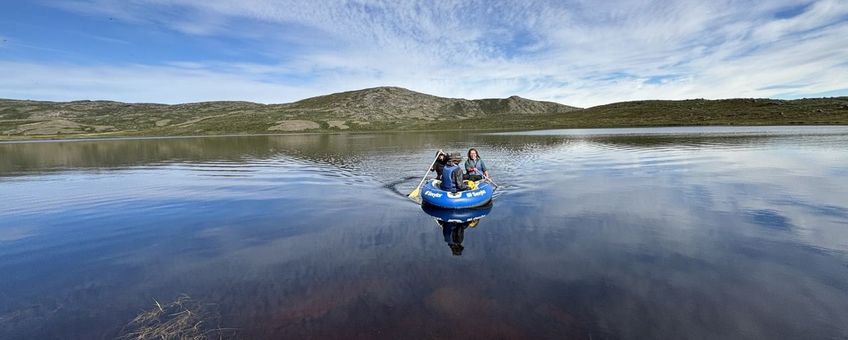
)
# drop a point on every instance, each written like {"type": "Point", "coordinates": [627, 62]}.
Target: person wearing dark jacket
{"type": "Point", "coordinates": [439, 165]}
{"type": "Point", "coordinates": [452, 174]}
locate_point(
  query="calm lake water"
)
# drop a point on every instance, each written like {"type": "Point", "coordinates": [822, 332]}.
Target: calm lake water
{"type": "Point", "coordinates": [697, 233]}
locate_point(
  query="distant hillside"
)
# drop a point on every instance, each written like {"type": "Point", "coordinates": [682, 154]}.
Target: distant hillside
{"type": "Point", "coordinates": [392, 108]}
{"type": "Point", "coordinates": [740, 111]}
{"type": "Point", "coordinates": [378, 108]}
{"type": "Point", "coordinates": [399, 103]}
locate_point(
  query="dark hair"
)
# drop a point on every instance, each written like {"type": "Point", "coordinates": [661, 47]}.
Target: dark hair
{"type": "Point", "coordinates": [475, 150]}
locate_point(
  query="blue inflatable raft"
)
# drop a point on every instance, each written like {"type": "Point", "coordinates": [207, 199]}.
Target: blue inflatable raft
{"type": "Point", "coordinates": [432, 195]}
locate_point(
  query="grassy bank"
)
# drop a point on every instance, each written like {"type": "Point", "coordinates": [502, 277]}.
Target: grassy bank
{"type": "Point", "coordinates": [393, 110]}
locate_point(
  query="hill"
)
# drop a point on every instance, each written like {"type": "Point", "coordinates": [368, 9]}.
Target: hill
{"type": "Point", "coordinates": [378, 108]}
{"type": "Point", "coordinates": [739, 111]}
{"type": "Point", "coordinates": [398, 103]}
{"type": "Point", "coordinates": [392, 108]}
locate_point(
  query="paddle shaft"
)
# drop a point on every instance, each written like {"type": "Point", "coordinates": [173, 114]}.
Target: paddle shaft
{"type": "Point", "coordinates": [429, 169]}
{"type": "Point", "coordinates": [492, 181]}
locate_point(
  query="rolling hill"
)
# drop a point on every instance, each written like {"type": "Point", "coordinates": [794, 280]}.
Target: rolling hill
{"type": "Point", "coordinates": [391, 108]}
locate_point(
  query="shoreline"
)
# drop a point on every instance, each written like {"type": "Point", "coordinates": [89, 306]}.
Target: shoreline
{"type": "Point", "coordinates": [107, 137]}
{"type": "Point", "coordinates": [390, 110]}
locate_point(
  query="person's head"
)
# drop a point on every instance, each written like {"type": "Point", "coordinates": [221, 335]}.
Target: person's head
{"type": "Point", "coordinates": [472, 153]}
{"type": "Point", "coordinates": [455, 158]}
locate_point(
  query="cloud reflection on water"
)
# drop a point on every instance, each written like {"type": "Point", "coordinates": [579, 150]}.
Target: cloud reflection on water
{"type": "Point", "coordinates": [617, 237]}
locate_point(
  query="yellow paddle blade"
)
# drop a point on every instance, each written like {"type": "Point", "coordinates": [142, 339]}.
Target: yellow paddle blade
{"type": "Point", "coordinates": [415, 193]}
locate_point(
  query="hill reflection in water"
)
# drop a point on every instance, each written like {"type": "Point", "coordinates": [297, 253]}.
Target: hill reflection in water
{"type": "Point", "coordinates": [632, 236]}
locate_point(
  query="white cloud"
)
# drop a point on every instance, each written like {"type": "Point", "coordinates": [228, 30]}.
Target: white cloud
{"type": "Point", "coordinates": [579, 53]}
{"type": "Point", "coordinates": [138, 83]}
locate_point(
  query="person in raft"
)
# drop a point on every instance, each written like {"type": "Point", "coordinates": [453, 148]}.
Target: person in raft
{"type": "Point", "coordinates": [475, 168]}
{"type": "Point", "coordinates": [439, 165]}
{"type": "Point", "coordinates": [452, 174]}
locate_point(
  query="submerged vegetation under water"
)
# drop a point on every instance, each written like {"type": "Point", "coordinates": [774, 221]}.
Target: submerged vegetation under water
{"type": "Point", "coordinates": [182, 319]}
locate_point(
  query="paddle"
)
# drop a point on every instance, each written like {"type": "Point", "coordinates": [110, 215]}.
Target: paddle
{"type": "Point", "coordinates": [491, 181]}
{"type": "Point", "coordinates": [417, 192]}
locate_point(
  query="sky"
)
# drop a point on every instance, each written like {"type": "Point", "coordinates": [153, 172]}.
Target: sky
{"type": "Point", "coordinates": [575, 52]}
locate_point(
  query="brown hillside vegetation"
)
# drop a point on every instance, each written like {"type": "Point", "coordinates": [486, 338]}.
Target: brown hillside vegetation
{"type": "Point", "coordinates": [392, 108]}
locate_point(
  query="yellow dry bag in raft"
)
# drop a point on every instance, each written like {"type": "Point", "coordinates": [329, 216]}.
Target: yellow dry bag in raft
{"type": "Point", "coordinates": [471, 184]}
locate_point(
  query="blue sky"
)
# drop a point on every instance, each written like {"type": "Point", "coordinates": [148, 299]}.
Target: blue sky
{"type": "Point", "coordinates": [581, 53]}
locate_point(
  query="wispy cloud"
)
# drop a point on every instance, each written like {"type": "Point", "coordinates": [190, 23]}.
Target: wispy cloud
{"type": "Point", "coordinates": [576, 52]}
{"type": "Point", "coordinates": [104, 38]}
{"type": "Point", "coordinates": [137, 83]}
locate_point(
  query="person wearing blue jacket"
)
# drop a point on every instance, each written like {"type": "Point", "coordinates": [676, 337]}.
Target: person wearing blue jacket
{"type": "Point", "coordinates": [475, 168]}
{"type": "Point", "coordinates": [452, 176]}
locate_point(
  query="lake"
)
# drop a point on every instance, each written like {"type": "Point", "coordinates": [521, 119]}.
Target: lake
{"type": "Point", "coordinates": [696, 233]}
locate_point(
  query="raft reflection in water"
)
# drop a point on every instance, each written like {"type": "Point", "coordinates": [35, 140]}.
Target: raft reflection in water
{"type": "Point", "coordinates": [454, 222]}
